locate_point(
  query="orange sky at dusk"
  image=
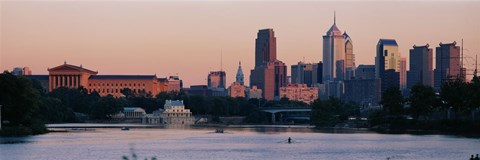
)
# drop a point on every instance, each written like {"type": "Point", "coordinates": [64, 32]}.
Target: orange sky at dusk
{"type": "Point", "coordinates": [187, 37]}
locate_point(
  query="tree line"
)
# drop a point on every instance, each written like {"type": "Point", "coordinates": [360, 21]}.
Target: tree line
{"type": "Point", "coordinates": [26, 107]}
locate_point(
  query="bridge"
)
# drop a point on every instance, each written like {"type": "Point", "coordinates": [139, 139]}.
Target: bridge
{"type": "Point", "coordinates": [288, 109]}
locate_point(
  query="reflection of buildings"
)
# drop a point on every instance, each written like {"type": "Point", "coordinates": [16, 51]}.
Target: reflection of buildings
{"type": "Point", "coordinates": [71, 76]}
{"type": "Point", "coordinates": [299, 92]}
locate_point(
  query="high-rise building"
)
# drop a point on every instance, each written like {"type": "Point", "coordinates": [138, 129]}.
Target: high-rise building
{"type": "Point", "coordinates": [265, 47]}
{"type": "Point", "coordinates": [365, 72]}
{"type": "Point", "coordinates": [306, 73]}
{"type": "Point", "coordinates": [363, 91]}
{"type": "Point", "coordinates": [269, 73]}
{"type": "Point", "coordinates": [447, 64]}
{"type": "Point", "coordinates": [333, 54]}
{"type": "Point", "coordinates": [217, 79]}
{"type": "Point", "coordinates": [387, 58]}
{"type": "Point", "coordinates": [349, 56]}
{"type": "Point", "coordinates": [421, 64]}
{"type": "Point", "coordinates": [239, 76]}
{"type": "Point", "coordinates": [403, 73]}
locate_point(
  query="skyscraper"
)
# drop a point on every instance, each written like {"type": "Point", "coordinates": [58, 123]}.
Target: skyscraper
{"type": "Point", "coordinates": [349, 56]}
{"type": "Point", "coordinates": [306, 73]}
{"type": "Point", "coordinates": [239, 76]}
{"type": "Point", "coordinates": [217, 79]}
{"type": "Point", "coordinates": [333, 54]}
{"type": "Point", "coordinates": [269, 73]}
{"type": "Point", "coordinates": [387, 58]}
{"type": "Point", "coordinates": [403, 73]}
{"type": "Point", "coordinates": [421, 58]}
{"type": "Point", "coordinates": [265, 47]}
{"type": "Point", "coordinates": [447, 66]}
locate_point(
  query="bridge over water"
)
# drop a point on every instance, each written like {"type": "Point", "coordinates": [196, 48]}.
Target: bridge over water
{"type": "Point", "coordinates": [275, 110]}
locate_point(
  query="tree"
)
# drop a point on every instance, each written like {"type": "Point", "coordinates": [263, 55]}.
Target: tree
{"type": "Point", "coordinates": [392, 101]}
{"type": "Point", "coordinates": [106, 106]}
{"type": "Point", "coordinates": [20, 104]}
{"type": "Point", "coordinates": [454, 95]}
{"type": "Point", "coordinates": [422, 100]}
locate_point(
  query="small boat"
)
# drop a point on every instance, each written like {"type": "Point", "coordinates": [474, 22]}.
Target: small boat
{"type": "Point", "coordinates": [125, 128]}
{"type": "Point", "coordinates": [219, 131]}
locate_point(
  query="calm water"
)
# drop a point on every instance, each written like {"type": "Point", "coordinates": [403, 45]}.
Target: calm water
{"type": "Point", "coordinates": [235, 144]}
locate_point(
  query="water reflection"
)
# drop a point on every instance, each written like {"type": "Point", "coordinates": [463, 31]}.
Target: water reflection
{"type": "Point", "coordinates": [236, 143]}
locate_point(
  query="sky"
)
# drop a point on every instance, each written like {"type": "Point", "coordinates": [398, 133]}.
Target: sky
{"type": "Point", "coordinates": [189, 38]}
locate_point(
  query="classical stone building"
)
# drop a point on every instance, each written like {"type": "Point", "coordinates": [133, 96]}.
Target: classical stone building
{"type": "Point", "coordinates": [71, 76]}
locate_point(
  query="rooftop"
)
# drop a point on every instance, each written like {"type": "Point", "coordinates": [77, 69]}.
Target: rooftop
{"type": "Point", "coordinates": [388, 42]}
{"type": "Point", "coordinates": [123, 77]}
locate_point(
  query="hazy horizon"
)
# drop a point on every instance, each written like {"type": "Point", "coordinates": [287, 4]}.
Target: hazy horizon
{"type": "Point", "coordinates": [187, 37]}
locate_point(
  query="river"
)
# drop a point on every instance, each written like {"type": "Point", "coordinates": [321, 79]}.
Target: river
{"type": "Point", "coordinates": [234, 143]}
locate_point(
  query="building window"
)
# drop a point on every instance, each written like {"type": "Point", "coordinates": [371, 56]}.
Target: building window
{"type": "Point", "coordinates": [134, 84]}
{"type": "Point", "coordinates": [120, 84]}
{"type": "Point", "coordinates": [108, 84]}
{"type": "Point", "coordinates": [89, 84]}
{"type": "Point", "coordinates": [130, 84]}
{"type": "Point", "coordinates": [103, 91]}
{"type": "Point", "coordinates": [116, 84]}
{"type": "Point", "coordinates": [116, 90]}
{"type": "Point", "coordinates": [144, 84]}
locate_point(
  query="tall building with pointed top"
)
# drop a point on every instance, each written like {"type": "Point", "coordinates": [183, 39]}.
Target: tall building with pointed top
{"type": "Point", "coordinates": [239, 76]}
{"type": "Point", "coordinates": [349, 56]}
{"type": "Point", "coordinates": [333, 54]}
{"type": "Point", "coordinates": [269, 73]}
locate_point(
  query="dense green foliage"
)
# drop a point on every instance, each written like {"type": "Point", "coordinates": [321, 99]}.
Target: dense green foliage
{"type": "Point", "coordinates": [328, 113]}
{"type": "Point", "coordinates": [455, 106]}
{"type": "Point", "coordinates": [20, 106]}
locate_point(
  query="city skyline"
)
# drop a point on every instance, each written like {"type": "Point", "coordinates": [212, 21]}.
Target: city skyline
{"type": "Point", "coordinates": [155, 38]}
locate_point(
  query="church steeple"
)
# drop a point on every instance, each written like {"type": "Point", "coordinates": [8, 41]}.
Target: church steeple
{"type": "Point", "coordinates": [239, 77]}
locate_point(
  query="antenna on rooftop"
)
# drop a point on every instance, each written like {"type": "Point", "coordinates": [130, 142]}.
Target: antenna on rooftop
{"type": "Point", "coordinates": [221, 59]}
{"type": "Point", "coordinates": [334, 17]}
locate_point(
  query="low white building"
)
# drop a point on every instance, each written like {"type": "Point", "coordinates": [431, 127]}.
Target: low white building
{"type": "Point", "coordinates": [175, 113]}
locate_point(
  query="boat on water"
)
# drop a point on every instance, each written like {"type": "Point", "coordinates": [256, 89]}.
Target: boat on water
{"type": "Point", "coordinates": [125, 129]}
{"type": "Point", "coordinates": [219, 131]}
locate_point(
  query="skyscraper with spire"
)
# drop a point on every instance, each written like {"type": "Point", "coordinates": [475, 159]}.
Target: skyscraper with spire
{"type": "Point", "coordinates": [239, 77]}
{"type": "Point", "coordinates": [337, 53]}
